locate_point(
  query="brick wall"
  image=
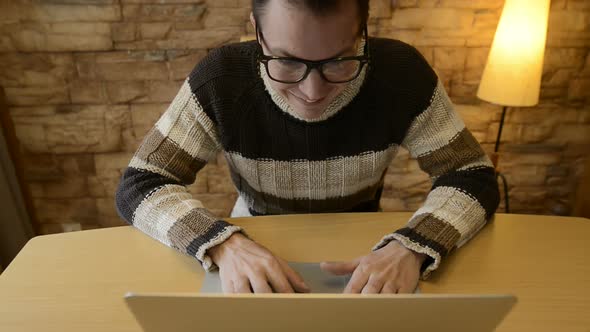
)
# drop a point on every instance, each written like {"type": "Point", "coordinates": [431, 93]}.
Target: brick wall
{"type": "Point", "coordinates": [86, 79]}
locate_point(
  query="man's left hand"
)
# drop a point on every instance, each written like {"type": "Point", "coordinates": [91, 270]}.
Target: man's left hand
{"type": "Point", "coordinates": [391, 269]}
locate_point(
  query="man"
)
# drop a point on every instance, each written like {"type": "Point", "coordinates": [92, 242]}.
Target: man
{"type": "Point", "coordinates": [309, 117]}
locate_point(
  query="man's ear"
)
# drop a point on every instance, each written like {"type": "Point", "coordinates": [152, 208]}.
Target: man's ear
{"type": "Point", "coordinates": [252, 20]}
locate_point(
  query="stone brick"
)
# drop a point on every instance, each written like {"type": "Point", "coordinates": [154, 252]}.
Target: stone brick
{"type": "Point", "coordinates": [66, 187]}
{"type": "Point", "coordinates": [406, 3]}
{"type": "Point", "coordinates": [564, 58]}
{"type": "Point", "coordinates": [70, 129]}
{"type": "Point", "coordinates": [391, 204]}
{"type": "Point", "coordinates": [578, 4]}
{"type": "Point", "coordinates": [450, 58]}
{"type": "Point", "coordinates": [64, 211]}
{"type": "Point", "coordinates": [70, 12]}
{"type": "Point", "coordinates": [210, 3]}
{"type": "Point", "coordinates": [219, 181]}
{"type": "Point", "coordinates": [475, 63]}
{"type": "Point", "coordinates": [571, 134]}
{"type": "Point", "coordinates": [486, 19]}
{"type": "Point", "coordinates": [123, 66]}
{"type": "Point", "coordinates": [163, 12]}
{"type": "Point", "coordinates": [107, 213]}
{"type": "Point", "coordinates": [526, 175]}
{"type": "Point", "coordinates": [558, 78]}
{"type": "Point", "coordinates": [200, 185]}
{"type": "Point", "coordinates": [579, 89]}
{"type": "Point", "coordinates": [123, 32]}
{"type": "Point", "coordinates": [219, 204]}
{"type": "Point", "coordinates": [225, 17]}
{"type": "Point", "coordinates": [437, 18]}
{"type": "Point", "coordinates": [515, 160]}
{"type": "Point", "coordinates": [569, 20]}
{"type": "Point", "coordinates": [558, 4]}
{"type": "Point", "coordinates": [380, 8]}
{"type": "Point", "coordinates": [157, 30]}
{"type": "Point", "coordinates": [60, 37]}
{"type": "Point", "coordinates": [161, 91]}
{"type": "Point", "coordinates": [109, 169]}
{"type": "Point", "coordinates": [481, 38]}
{"type": "Point", "coordinates": [202, 39]}
{"type": "Point", "coordinates": [558, 38]}
{"type": "Point", "coordinates": [88, 92]}
{"type": "Point", "coordinates": [6, 44]}
{"type": "Point", "coordinates": [474, 4]}
{"type": "Point", "coordinates": [144, 117]}
{"type": "Point", "coordinates": [120, 92]}
{"type": "Point", "coordinates": [181, 63]}
{"type": "Point", "coordinates": [427, 53]}
{"type": "Point", "coordinates": [21, 69]}
{"type": "Point", "coordinates": [477, 117]}
{"type": "Point", "coordinates": [37, 95]}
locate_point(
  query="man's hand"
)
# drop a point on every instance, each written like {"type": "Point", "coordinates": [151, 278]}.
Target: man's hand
{"type": "Point", "coordinates": [391, 269]}
{"type": "Point", "coordinates": [246, 267]}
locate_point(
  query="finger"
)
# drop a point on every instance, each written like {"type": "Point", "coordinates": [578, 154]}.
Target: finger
{"type": "Point", "coordinates": [227, 286]}
{"type": "Point", "coordinates": [294, 278]}
{"type": "Point", "coordinates": [340, 268]}
{"type": "Point", "coordinates": [242, 285]}
{"type": "Point", "coordinates": [260, 285]}
{"type": "Point", "coordinates": [374, 285]}
{"type": "Point", "coordinates": [389, 288]}
{"type": "Point", "coordinates": [357, 281]}
{"type": "Point", "coordinates": [407, 288]}
{"type": "Point", "coordinates": [278, 280]}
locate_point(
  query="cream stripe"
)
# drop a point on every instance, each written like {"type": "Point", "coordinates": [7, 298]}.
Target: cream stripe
{"type": "Point", "coordinates": [435, 127]}
{"type": "Point", "coordinates": [343, 99]}
{"type": "Point", "coordinates": [141, 164]}
{"type": "Point", "coordinates": [185, 123]}
{"type": "Point", "coordinates": [337, 177]}
{"type": "Point", "coordinates": [158, 212]}
{"type": "Point", "coordinates": [455, 207]}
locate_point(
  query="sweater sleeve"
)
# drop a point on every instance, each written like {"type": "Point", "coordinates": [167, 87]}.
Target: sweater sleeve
{"type": "Point", "coordinates": [152, 194]}
{"type": "Point", "coordinates": [464, 194]}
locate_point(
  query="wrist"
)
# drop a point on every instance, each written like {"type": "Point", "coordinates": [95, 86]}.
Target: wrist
{"type": "Point", "coordinates": [217, 252]}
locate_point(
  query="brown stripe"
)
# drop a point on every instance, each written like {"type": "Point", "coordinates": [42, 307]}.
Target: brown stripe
{"type": "Point", "coordinates": [193, 225]}
{"type": "Point", "coordinates": [164, 153]}
{"type": "Point", "coordinates": [462, 149]}
{"type": "Point", "coordinates": [438, 231]}
{"type": "Point", "coordinates": [269, 204]}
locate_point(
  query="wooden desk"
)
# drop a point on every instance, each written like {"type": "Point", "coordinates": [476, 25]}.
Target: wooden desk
{"type": "Point", "coordinates": [76, 281]}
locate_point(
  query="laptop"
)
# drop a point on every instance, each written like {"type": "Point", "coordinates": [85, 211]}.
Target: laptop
{"type": "Point", "coordinates": [322, 310]}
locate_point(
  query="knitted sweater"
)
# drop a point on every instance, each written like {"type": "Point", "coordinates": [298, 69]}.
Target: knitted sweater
{"type": "Point", "coordinates": [282, 164]}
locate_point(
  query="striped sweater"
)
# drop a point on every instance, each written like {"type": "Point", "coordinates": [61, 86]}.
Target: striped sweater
{"type": "Point", "coordinates": [282, 164]}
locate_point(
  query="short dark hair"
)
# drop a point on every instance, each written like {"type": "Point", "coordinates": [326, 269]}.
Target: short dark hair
{"type": "Point", "coordinates": [318, 7]}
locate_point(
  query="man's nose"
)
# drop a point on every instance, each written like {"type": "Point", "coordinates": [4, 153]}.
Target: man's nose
{"type": "Point", "coordinates": [313, 86]}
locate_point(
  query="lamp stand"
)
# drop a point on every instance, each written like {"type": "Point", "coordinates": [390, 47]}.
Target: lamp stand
{"type": "Point", "coordinates": [495, 158]}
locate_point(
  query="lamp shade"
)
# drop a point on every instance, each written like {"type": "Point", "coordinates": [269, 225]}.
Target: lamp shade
{"type": "Point", "coordinates": [512, 76]}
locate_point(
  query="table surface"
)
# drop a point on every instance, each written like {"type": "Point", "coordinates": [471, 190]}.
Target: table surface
{"type": "Point", "coordinates": [76, 281]}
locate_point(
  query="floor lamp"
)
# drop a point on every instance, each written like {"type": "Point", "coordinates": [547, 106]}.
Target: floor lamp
{"type": "Point", "coordinates": [512, 75]}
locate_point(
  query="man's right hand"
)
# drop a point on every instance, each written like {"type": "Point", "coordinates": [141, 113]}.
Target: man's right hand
{"type": "Point", "coordinates": [246, 267]}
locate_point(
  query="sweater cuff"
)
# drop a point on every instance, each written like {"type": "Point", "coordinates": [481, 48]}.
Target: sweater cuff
{"type": "Point", "coordinates": [221, 231]}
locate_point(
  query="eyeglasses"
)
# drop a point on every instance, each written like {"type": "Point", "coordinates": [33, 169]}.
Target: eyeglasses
{"type": "Point", "coordinates": [292, 70]}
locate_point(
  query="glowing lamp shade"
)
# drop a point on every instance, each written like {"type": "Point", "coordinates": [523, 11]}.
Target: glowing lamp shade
{"type": "Point", "coordinates": [512, 76]}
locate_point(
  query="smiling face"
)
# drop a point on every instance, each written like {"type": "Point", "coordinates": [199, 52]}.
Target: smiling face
{"type": "Point", "coordinates": [293, 31]}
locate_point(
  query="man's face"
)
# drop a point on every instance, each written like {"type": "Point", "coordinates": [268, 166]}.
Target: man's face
{"type": "Point", "coordinates": [295, 32]}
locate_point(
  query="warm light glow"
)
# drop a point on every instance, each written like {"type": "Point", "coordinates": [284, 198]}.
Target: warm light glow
{"type": "Point", "coordinates": [512, 76]}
